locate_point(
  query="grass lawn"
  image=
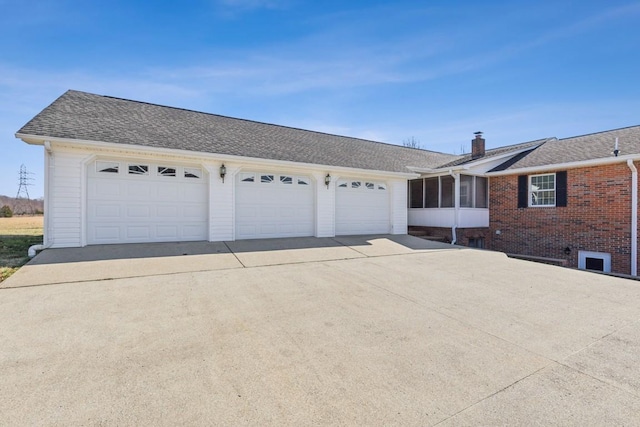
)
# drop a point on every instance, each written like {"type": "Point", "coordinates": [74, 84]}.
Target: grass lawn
{"type": "Point", "coordinates": [16, 235]}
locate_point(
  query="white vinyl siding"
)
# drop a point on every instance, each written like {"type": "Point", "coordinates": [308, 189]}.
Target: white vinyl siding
{"type": "Point", "coordinates": [65, 205]}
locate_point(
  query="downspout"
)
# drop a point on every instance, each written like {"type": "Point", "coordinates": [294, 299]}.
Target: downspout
{"type": "Point", "coordinates": [634, 217]}
{"type": "Point", "coordinates": [456, 204]}
{"type": "Point", "coordinates": [48, 165]}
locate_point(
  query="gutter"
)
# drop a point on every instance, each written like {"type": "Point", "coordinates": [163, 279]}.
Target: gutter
{"type": "Point", "coordinates": [634, 217]}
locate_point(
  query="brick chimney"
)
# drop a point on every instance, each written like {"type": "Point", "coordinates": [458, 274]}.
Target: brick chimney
{"type": "Point", "coordinates": [477, 146]}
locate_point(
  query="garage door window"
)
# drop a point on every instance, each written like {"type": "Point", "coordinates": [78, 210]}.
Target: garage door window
{"type": "Point", "coordinates": [138, 169]}
{"type": "Point", "coordinates": [266, 179]}
{"type": "Point", "coordinates": [286, 179]}
{"type": "Point", "coordinates": [342, 184]}
{"type": "Point", "coordinates": [382, 186]}
{"type": "Point", "coordinates": [107, 167]}
{"type": "Point", "coordinates": [302, 180]}
{"type": "Point", "coordinates": [247, 177]}
{"type": "Point", "coordinates": [166, 171]}
{"type": "Point", "coordinates": [192, 173]}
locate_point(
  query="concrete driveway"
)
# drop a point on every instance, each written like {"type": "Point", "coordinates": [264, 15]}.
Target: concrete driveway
{"type": "Point", "coordinates": [386, 330]}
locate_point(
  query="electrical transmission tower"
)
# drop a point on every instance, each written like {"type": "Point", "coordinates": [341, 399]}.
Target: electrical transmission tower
{"type": "Point", "coordinates": [23, 201]}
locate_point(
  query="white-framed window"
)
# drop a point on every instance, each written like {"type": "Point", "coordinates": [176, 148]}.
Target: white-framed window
{"type": "Point", "coordinates": [267, 179]}
{"type": "Point", "coordinates": [302, 180]}
{"type": "Point", "coordinates": [381, 186]}
{"type": "Point", "coordinates": [356, 184]}
{"type": "Point", "coordinates": [370, 185]}
{"type": "Point", "coordinates": [192, 173]}
{"type": "Point", "coordinates": [138, 170]}
{"type": "Point", "coordinates": [166, 171]}
{"type": "Point", "coordinates": [597, 261]}
{"type": "Point", "coordinates": [542, 190]}
{"type": "Point", "coordinates": [343, 183]}
{"type": "Point", "coordinates": [285, 179]}
{"type": "Point", "coordinates": [107, 167]}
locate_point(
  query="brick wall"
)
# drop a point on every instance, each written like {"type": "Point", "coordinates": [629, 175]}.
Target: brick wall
{"type": "Point", "coordinates": [597, 217]}
{"type": "Point", "coordinates": [463, 234]}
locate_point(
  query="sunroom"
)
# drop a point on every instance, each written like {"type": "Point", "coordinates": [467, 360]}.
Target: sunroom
{"type": "Point", "coordinates": [449, 200]}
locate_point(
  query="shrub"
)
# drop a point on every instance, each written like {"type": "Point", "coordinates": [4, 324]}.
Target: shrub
{"type": "Point", "coordinates": [6, 212]}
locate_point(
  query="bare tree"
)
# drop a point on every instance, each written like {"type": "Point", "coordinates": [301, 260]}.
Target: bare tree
{"type": "Point", "coordinates": [412, 143]}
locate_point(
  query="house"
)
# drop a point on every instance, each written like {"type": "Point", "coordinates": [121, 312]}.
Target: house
{"type": "Point", "coordinates": [573, 199]}
{"type": "Point", "coordinates": [451, 200]}
{"type": "Point", "coordinates": [569, 201]}
{"type": "Point", "coordinates": [122, 171]}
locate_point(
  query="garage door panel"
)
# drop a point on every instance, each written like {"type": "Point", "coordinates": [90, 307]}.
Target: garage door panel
{"type": "Point", "coordinates": [167, 231]}
{"type": "Point", "coordinates": [168, 192]}
{"type": "Point", "coordinates": [107, 188]}
{"type": "Point", "coordinates": [123, 207]}
{"type": "Point", "coordinates": [193, 231]}
{"type": "Point", "coordinates": [138, 211]}
{"type": "Point", "coordinates": [167, 211]}
{"type": "Point", "coordinates": [107, 233]}
{"type": "Point", "coordinates": [281, 207]}
{"type": "Point", "coordinates": [139, 190]}
{"type": "Point", "coordinates": [106, 211]}
{"type": "Point", "coordinates": [141, 232]}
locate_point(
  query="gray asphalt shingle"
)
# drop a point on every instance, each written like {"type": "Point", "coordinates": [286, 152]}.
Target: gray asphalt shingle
{"type": "Point", "coordinates": [578, 148]}
{"type": "Point", "coordinates": [84, 116]}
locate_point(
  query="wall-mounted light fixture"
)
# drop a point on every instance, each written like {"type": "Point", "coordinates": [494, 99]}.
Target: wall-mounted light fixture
{"type": "Point", "coordinates": [327, 180]}
{"type": "Point", "coordinates": [223, 172]}
{"type": "Point", "coordinates": [567, 250]}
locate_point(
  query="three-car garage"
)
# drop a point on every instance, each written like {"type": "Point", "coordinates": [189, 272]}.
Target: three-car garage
{"type": "Point", "coordinates": [134, 201]}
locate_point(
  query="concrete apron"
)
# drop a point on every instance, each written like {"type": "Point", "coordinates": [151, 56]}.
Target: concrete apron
{"type": "Point", "coordinates": [418, 337]}
{"type": "Point", "coordinates": [106, 262]}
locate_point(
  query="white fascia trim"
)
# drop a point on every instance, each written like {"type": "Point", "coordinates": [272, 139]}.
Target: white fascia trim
{"type": "Point", "coordinates": [38, 140]}
{"type": "Point", "coordinates": [568, 165]}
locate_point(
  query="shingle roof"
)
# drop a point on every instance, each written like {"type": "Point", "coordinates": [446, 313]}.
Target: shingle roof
{"type": "Point", "coordinates": [578, 148]}
{"type": "Point", "coordinates": [85, 116]}
{"type": "Point", "coordinates": [466, 158]}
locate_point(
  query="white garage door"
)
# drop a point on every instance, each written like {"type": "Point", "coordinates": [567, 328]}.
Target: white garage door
{"type": "Point", "coordinates": [133, 202]}
{"type": "Point", "coordinates": [362, 207]}
{"type": "Point", "coordinates": [274, 205]}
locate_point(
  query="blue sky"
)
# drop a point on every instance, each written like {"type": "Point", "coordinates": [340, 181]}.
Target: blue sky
{"type": "Point", "coordinates": [388, 71]}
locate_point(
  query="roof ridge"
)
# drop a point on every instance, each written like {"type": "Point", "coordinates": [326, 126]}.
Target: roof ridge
{"type": "Point", "coordinates": [602, 131]}
{"type": "Point", "coordinates": [255, 121]}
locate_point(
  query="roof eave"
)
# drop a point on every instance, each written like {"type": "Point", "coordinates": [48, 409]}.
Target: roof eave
{"type": "Point", "coordinates": [40, 140]}
{"type": "Point", "coordinates": [567, 165]}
